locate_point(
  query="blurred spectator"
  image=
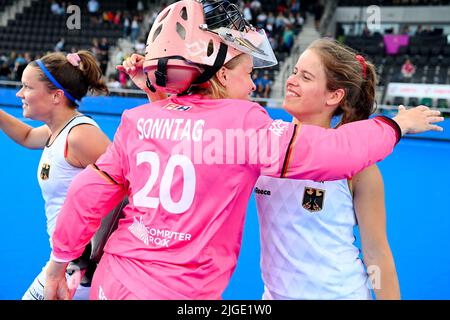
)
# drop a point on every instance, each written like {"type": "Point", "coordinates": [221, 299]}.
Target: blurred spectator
{"type": "Point", "coordinates": [95, 49]}
{"type": "Point", "coordinates": [255, 6]}
{"type": "Point", "coordinates": [408, 70]}
{"type": "Point", "coordinates": [418, 30]}
{"type": "Point", "coordinates": [135, 29]}
{"type": "Point", "coordinates": [140, 6]}
{"type": "Point", "coordinates": [291, 19]}
{"type": "Point", "coordinates": [140, 46]}
{"type": "Point", "coordinates": [117, 18]}
{"type": "Point", "coordinates": [56, 8]}
{"type": "Point", "coordinates": [59, 47]}
{"type": "Point", "coordinates": [19, 65]}
{"type": "Point", "coordinates": [280, 21]}
{"type": "Point", "coordinates": [261, 20]}
{"type": "Point", "coordinates": [28, 58]}
{"type": "Point", "coordinates": [405, 30]}
{"type": "Point", "coordinates": [126, 25]}
{"type": "Point", "coordinates": [295, 7]}
{"type": "Point", "coordinates": [11, 60]}
{"type": "Point", "coordinates": [281, 8]}
{"type": "Point", "coordinates": [104, 46]}
{"type": "Point", "coordinates": [265, 85]}
{"type": "Point", "coordinates": [153, 16]}
{"type": "Point", "coordinates": [103, 54]}
{"type": "Point", "coordinates": [262, 83]}
{"type": "Point", "coordinates": [366, 32]}
{"type": "Point", "coordinates": [340, 33]}
{"type": "Point", "coordinates": [255, 79]}
{"type": "Point", "coordinates": [288, 38]}
{"type": "Point", "coordinates": [299, 21]}
{"type": "Point", "coordinates": [108, 16]}
{"type": "Point", "coordinates": [118, 56]}
{"type": "Point", "coordinates": [273, 43]}
{"type": "Point", "coordinates": [427, 31]}
{"type": "Point", "coordinates": [247, 13]}
{"type": "Point", "coordinates": [5, 72]}
{"type": "Point", "coordinates": [93, 9]}
{"type": "Point", "coordinates": [113, 83]}
{"type": "Point", "coordinates": [318, 11]}
{"type": "Point", "coordinates": [270, 18]}
{"type": "Point", "coordinates": [93, 6]}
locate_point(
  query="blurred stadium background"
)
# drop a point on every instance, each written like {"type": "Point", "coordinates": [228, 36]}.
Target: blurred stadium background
{"type": "Point", "coordinates": [408, 41]}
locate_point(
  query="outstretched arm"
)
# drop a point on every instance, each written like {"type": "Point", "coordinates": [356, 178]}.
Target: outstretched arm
{"type": "Point", "coordinates": [23, 134]}
{"type": "Point", "coordinates": [418, 119]}
{"type": "Point", "coordinates": [312, 152]}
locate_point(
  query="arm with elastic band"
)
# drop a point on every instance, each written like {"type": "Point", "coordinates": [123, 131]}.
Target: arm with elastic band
{"type": "Point", "coordinates": [91, 196]}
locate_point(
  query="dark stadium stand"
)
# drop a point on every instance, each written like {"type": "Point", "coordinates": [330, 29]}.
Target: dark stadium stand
{"type": "Point", "coordinates": [430, 54]}
{"type": "Point", "coordinates": [37, 29]}
{"type": "Point", "coordinates": [4, 3]}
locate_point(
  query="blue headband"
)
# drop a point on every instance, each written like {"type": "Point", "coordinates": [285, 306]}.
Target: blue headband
{"type": "Point", "coordinates": [53, 80]}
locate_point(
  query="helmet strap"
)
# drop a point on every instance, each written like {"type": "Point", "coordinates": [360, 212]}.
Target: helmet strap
{"type": "Point", "coordinates": [161, 72]}
{"type": "Point", "coordinates": [210, 71]}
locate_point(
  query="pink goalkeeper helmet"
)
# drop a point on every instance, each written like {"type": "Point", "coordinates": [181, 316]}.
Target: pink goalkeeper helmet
{"type": "Point", "coordinates": [191, 40]}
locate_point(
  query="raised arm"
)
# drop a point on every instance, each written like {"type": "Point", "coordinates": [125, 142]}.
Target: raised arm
{"type": "Point", "coordinates": [22, 133]}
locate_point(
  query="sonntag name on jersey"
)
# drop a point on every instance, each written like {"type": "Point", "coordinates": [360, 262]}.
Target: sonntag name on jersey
{"type": "Point", "coordinates": [170, 129]}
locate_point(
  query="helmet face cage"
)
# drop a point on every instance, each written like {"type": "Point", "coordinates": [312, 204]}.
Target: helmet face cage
{"type": "Point", "coordinates": [224, 19]}
{"type": "Point", "coordinates": [224, 14]}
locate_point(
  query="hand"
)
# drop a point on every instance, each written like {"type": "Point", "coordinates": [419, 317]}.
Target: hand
{"type": "Point", "coordinates": [133, 67]}
{"type": "Point", "coordinates": [56, 284]}
{"type": "Point", "coordinates": [418, 119]}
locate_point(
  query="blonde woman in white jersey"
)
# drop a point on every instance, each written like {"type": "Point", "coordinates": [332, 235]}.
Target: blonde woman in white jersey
{"type": "Point", "coordinates": [51, 90]}
{"type": "Point", "coordinates": [307, 249]}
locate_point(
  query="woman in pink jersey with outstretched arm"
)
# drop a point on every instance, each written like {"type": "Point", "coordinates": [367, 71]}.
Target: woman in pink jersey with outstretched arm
{"type": "Point", "coordinates": [188, 163]}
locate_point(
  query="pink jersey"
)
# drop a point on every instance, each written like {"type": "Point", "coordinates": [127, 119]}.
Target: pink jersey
{"type": "Point", "coordinates": [188, 187]}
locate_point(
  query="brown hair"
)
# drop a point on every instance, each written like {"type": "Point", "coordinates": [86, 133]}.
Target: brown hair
{"type": "Point", "coordinates": [344, 71]}
{"type": "Point", "coordinates": [216, 89]}
{"type": "Point", "coordinates": [77, 81]}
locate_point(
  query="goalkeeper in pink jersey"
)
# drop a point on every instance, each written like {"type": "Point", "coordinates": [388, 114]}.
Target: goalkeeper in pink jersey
{"type": "Point", "coordinates": [187, 185]}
